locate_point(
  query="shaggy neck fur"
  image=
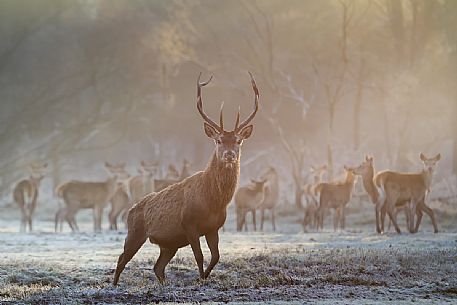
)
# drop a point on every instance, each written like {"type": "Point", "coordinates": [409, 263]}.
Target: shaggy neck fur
{"type": "Point", "coordinates": [369, 186]}
{"type": "Point", "coordinates": [221, 181]}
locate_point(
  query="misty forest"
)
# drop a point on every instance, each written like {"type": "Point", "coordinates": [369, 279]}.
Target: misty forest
{"type": "Point", "coordinates": [295, 151]}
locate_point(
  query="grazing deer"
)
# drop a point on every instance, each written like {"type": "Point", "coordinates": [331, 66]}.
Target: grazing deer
{"type": "Point", "coordinates": [197, 206]}
{"type": "Point", "coordinates": [335, 195]}
{"type": "Point", "coordinates": [410, 187]}
{"type": "Point", "coordinates": [143, 184]}
{"type": "Point", "coordinates": [271, 196]}
{"type": "Point", "coordinates": [312, 205]}
{"type": "Point", "coordinates": [248, 198]}
{"type": "Point", "coordinates": [87, 195]}
{"type": "Point", "coordinates": [172, 173]}
{"type": "Point", "coordinates": [25, 194]}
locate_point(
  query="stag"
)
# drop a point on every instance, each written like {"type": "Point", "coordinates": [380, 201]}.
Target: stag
{"type": "Point", "coordinates": [25, 194]}
{"type": "Point", "coordinates": [197, 206]}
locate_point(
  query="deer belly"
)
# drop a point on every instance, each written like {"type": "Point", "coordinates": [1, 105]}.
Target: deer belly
{"type": "Point", "coordinates": [171, 242]}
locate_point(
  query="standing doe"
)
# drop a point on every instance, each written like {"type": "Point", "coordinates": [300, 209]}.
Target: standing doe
{"type": "Point", "coordinates": [25, 194]}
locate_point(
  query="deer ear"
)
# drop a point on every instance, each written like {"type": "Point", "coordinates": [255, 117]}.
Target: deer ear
{"type": "Point", "coordinates": [438, 157]}
{"type": "Point", "coordinates": [423, 158]}
{"type": "Point", "coordinates": [107, 164]}
{"type": "Point", "coordinates": [246, 132]}
{"type": "Point", "coordinates": [210, 131]}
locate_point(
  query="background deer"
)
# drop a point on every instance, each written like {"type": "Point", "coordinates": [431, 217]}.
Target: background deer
{"type": "Point", "coordinates": [25, 194]}
{"type": "Point", "coordinates": [410, 187]}
{"type": "Point", "coordinates": [335, 195]}
{"type": "Point", "coordinates": [248, 198]}
{"type": "Point", "coordinates": [120, 201]}
{"type": "Point", "coordinates": [178, 215]}
{"type": "Point", "coordinates": [271, 196]}
{"type": "Point", "coordinates": [310, 213]}
{"type": "Point", "coordinates": [87, 195]}
{"type": "Point", "coordinates": [143, 184]}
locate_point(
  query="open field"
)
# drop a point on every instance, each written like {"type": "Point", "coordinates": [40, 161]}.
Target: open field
{"type": "Point", "coordinates": [351, 267]}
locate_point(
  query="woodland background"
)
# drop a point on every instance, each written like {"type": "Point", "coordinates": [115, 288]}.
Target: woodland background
{"type": "Point", "coordinates": [86, 81]}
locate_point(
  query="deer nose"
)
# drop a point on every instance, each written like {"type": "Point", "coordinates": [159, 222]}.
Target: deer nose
{"type": "Point", "coordinates": [229, 155]}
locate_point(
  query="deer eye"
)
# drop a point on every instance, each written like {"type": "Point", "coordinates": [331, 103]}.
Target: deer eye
{"type": "Point", "coordinates": [218, 141]}
{"type": "Point", "coordinates": [239, 141]}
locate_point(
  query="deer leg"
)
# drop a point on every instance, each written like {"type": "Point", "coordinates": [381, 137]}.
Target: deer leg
{"type": "Point", "coordinates": [194, 240]}
{"type": "Point", "coordinates": [273, 219]}
{"type": "Point", "coordinates": [164, 258]}
{"type": "Point", "coordinates": [390, 211]}
{"type": "Point", "coordinates": [212, 239]}
{"type": "Point", "coordinates": [262, 218]}
{"type": "Point", "coordinates": [412, 213]}
{"type": "Point", "coordinates": [112, 220]}
{"type": "Point", "coordinates": [430, 213]}
{"type": "Point", "coordinates": [336, 219]}
{"type": "Point", "coordinates": [378, 210]}
{"type": "Point", "coordinates": [253, 219]}
{"type": "Point", "coordinates": [131, 246]}
{"type": "Point", "coordinates": [343, 218]}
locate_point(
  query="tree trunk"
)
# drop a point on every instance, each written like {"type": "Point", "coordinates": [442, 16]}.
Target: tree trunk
{"type": "Point", "coordinates": [298, 193]}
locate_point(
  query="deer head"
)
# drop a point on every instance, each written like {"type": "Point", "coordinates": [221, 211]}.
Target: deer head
{"type": "Point", "coordinates": [38, 169]}
{"type": "Point", "coordinates": [430, 163]}
{"type": "Point", "coordinates": [117, 170]}
{"type": "Point", "coordinates": [228, 143]}
{"type": "Point", "coordinates": [149, 168]}
{"type": "Point", "coordinates": [365, 168]}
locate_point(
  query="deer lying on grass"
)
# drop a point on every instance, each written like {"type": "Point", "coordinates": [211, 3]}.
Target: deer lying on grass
{"type": "Point", "coordinates": [178, 215]}
{"type": "Point", "coordinates": [248, 198]}
{"type": "Point", "coordinates": [335, 195]}
{"type": "Point", "coordinates": [86, 195]}
{"type": "Point", "coordinates": [25, 194]}
{"type": "Point", "coordinates": [271, 196]}
{"type": "Point", "coordinates": [407, 187]}
{"type": "Point", "coordinates": [312, 205]}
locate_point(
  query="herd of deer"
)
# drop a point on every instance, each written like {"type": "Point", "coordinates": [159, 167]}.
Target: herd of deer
{"type": "Point", "coordinates": [177, 211]}
{"type": "Point", "coordinates": [391, 192]}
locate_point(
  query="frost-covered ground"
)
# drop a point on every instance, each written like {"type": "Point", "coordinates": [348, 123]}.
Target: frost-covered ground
{"type": "Point", "coordinates": [356, 266]}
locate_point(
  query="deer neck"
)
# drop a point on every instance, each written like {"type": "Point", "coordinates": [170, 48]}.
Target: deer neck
{"type": "Point", "coordinates": [427, 176]}
{"type": "Point", "coordinates": [220, 181]}
{"type": "Point", "coordinates": [369, 186]}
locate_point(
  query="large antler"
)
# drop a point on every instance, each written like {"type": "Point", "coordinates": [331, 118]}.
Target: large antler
{"type": "Point", "coordinates": [200, 105]}
{"type": "Point", "coordinates": [238, 126]}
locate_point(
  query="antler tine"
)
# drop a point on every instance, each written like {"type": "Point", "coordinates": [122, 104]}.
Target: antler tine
{"type": "Point", "coordinates": [256, 104]}
{"type": "Point", "coordinates": [221, 120]}
{"type": "Point", "coordinates": [237, 118]}
{"type": "Point", "coordinates": [200, 104]}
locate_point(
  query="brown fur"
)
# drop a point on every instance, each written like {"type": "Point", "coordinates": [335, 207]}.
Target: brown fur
{"type": "Point", "coordinates": [411, 187]}
{"type": "Point", "coordinates": [366, 171]}
{"type": "Point", "coordinates": [142, 184]}
{"type": "Point", "coordinates": [310, 212]}
{"type": "Point", "coordinates": [183, 212]}
{"type": "Point", "coordinates": [25, 194]}
{"type": "Point", "coordinates": [335, 195]}
{"type": "Point", "coordinates": [248, 198]}
{"type": "Point", "coordinates": [120, 203]}
{"type": "Point", "coordinates": [271, 196]}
